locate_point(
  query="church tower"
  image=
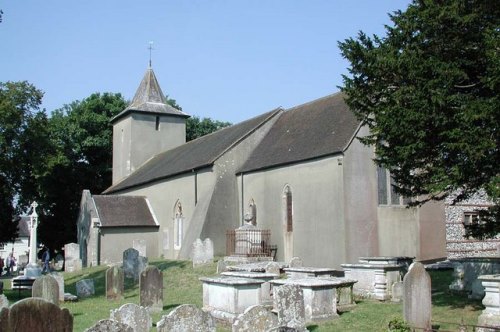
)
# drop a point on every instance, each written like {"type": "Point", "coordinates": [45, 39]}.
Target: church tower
{"type": "Point", "coordinates": [145, 128]}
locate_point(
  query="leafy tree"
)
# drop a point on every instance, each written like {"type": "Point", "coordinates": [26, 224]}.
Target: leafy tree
{"type": "Point", "coordinates": [19, 112]}
{"type": "Point", "coordinates": [429, 92]}
{"type": "Point", "coordinates": [196, 127]}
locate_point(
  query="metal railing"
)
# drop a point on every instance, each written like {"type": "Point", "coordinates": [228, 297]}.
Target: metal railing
{"type": "Point", "coordinates": [249, 243]}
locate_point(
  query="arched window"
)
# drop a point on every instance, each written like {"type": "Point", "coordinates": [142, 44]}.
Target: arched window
{"type": "Point", "coordinates": [287, 196]}
{"type": "Point", "coordinates": [178, 225]}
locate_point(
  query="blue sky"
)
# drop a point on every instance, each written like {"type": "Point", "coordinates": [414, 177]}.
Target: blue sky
{"type": "Point", "coordinates": [227, 60]}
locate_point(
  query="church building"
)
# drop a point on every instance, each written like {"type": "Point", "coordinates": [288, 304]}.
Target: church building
{"type": "Point", "coordinates": [301, 171]}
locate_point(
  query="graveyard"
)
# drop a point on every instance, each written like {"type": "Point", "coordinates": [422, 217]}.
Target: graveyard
{"type": "Point", "coordinates": [182, 285]}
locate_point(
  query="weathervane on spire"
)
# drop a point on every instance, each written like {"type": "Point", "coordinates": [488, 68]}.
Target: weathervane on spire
{"type": "Point", "coordinates": [150, 51]}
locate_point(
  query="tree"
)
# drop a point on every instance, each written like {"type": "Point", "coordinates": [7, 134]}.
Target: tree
{"type": "Point", "coordinates": [19, 112]}
{"type": "Point", "coordinates": [196, 128]}
{"type": "Point", "coordinates": [429, 92]}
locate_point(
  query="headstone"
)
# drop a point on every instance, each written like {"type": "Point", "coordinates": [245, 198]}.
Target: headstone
{"type": "Point", "coordinates": [397, 292]}
{"type": "Point", "coordinates": [47, 288]}
{"type": "Point", "coordinates": [288, 301]}
{"type": "Point", "coordinates": [85, 288]}
{"type": "Point", "coordinates": [221, 266]}
{"type": "Point", "coordinates": [296, 262]}
{"type": "Point", "coordinates": [255, 319]}
{"type": "Point", "coordinates": [151, 289]}
{"type": "Point", "coordinates": [186, 317]}
{"type": "Point", "coordinates": [72, 261]}
{"type": "Point", "coordinates": [114, 283]}
{"type": "Point", "coordinates": [60, 282]}
{"type": "Point", "coordinates": [4, 302]}
{"type": "Point", "coordinates": [133, 315]}
{"type": "Point", "coordinates": [133, 263]}
{"type": "Point", "coordinates": [202, 252]}
{"type": "Point", "coordinates": [140, 246]}
{"type": "Point", "coordinates": [417, 297]}
{"type": "Point", "coordinates": [477, 290]}
{"type": "Point", "coordinates": [36, 315]}
{"type": "Point", "coordinates": [273, 267]}
{"type": "Point", "coordinates": [109, 325]}
{"type": "Point", "coordinates": [59, 262]}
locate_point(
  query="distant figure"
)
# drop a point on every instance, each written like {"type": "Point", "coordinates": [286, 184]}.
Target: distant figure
{"type": "Point", "coordinates": [11, 262]}
{"type": "Point", "coordinates": [1, 265]}
{"type": "Point", "coordinates": [46, 260]}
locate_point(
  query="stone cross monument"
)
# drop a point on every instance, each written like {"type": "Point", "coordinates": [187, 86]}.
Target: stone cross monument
{"type": "Point", "coordinates": [33, 270]}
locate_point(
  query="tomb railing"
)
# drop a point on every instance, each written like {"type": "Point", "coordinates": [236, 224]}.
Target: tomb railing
{"type": "Point", "coordinates": [249, 243]}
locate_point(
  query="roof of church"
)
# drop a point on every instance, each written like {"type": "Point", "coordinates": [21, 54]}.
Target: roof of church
{"type": "Point", "coordinates": [319, 128]}
{"type": "Point", "coordinates": [124, 211]}
{"type": "Point", "coordinates": [149, 99]}
{"type": "Point", "coordinates": [193, 155]}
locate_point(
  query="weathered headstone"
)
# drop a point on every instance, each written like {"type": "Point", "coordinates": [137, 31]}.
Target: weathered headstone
{"type": "Point", "coordinates": [4, 302]}
{"type": "Point", "coordinates": [60, 282]}
{"type": "Point", "coordinates": [114, 283]}
{"type": "Point", "coordinates": [85, 288]}
{"type": "Point", "coordinates": [273, 267]}
{"type": "Point", "coordinates": [288, 301]}
{"type": "Point", "coordinates": [140, 246]}
{"type": "Point", "coordinates": [133, 263]}
{"type": "Point", "coordinates": [186, 317]}
{"type": "Point", "coordinates": [202, 252]}
{"type": "Point", "coordinates": [417, 297]}
{"type": "Point", "coordinates": [109, 325]}
{"type": "Point", "coordinates": [72, 261]}
{"type": "Point", "coordinates": [47, 288]}
{"type": "Point", "coordinates": [36, 315]}
{"type": "Point", "coordinates": [221, 266]}
{"type": "Point", "coordinates": [296, 262]}
{"type": "Point", "coordinates": [59, 262]}
{"type": "Point", "coordinates": [133, 315]}
{"type": "Point", "coordinates": [151, 289]}
{"type": "Point", "coordinates": [255, 319]}
{"type": "Point", "coordinates": [397, 292]}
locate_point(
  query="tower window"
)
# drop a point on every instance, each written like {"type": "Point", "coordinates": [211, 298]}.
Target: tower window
{"type": "Point", "coordinates": [157, 126]}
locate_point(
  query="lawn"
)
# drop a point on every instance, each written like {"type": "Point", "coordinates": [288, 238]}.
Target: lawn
{"type": "Point", "coordinates": [182, 286]}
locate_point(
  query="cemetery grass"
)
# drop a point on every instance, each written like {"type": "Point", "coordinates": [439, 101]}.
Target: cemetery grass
{"type": "Point", "coordinates": [182, 286]}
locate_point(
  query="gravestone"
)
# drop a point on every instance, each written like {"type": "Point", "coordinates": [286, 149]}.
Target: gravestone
{"type": "Point", "coordinates": [288, 301]}
{"type": "Point", "coordinates": [202, 252]}
{"type": "Point", "coordinates": [58, 262]}
{"type": "Point", "coordinates": [417, 297]}
{"type": "Point", "coordinates": [151, 289]}
{"type": "Point", "coordinates": [4, 302]}
{"type": "Point", "coordinates": [109, 325]}
{"type": "Point", "coordinates": [72, 261]}
{"type": "Point", "coordinates": [296, 262]}
{"type": "Point", "coordinates": [221, 266]}
{"type": "Point", "coordinates": [114, 283]}
{"type": "Point", "coordinates": [85, 288]}
{"type": "Point", "coordinates": [273, 267]}
{"type": "Point", "coordinates": [186, 317]}
{"type": "Point", "coordinates": [60, 282]}
{"type": "Point", "coordinates": [47, 288]}
{"type": "Point", "coordinates": [133, 263]}
{"type": "Point", "coordinates": [397, 292]}
{"type": "Point", "coordinates": [36, 315]}
{"type": "Point", "coordinates": [140, 246]}
{"type": "Point", "coordinates": [133, 315]}
{"type": "Point", "coordinates": [255, 319]}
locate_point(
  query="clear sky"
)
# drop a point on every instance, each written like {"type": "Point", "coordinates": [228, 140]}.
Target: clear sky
{"type": "Point", "coordinates": [228, 60]}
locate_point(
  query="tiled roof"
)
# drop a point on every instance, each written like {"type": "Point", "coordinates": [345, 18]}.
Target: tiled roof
{"type": "Point", "coordinates": [123, 211]}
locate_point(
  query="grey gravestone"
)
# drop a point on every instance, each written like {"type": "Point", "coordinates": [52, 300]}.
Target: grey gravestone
{"type": "Point", "coordinates": [296, 262]}
{"type": "Point", "coordinates": [151, 289]}
{"type": "Point", "coordinates": [133, 263]}
{"type": "Point", "coordinates": [273, 267]}
{"type": "Point", "coordinates": [60, 282]}
{"type": "Point", "coordinates": [109, 325]}
{"type": "Point", "coordinates": [477, 290]}
{"type": "Point", "coordinates": [397, 292]}
{"type": "Point", "coordinates": [202, 252]}
{"type": "Point", "coordinates": [186, 317]}
{"type": "Point", "coordinates": [85, 288]}
{"type": "Point", "coordinates": [4, 302]}
{"type": "Point", "coordinates": [47, 288]}
{"type": "Point", "coordinates": [140, 246]}
{"type": "Point", "coordinates": [417, 297]}
{"type": "Point", "coordinates": [58, 262]}
{"type": "Point", "coordinates": [288, 301]}
{"type": "Point", "coordinates": [255, 319]}
{"type": "Point", "coordinates": [133, 315]}
{"type": "Point", "coordinates": [114, 283]}
{"type": "Point", "coordinates": [221, 266]}
{"type": "Point", "coordinates": [36, 315]}
{"type": "Point", "coordinates": [72, 261]}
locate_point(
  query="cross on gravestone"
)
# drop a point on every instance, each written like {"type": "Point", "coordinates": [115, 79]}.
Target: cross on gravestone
{"type": "Point", "coordinates": [133, 315]}
{"type": "Point", "coordinates": [417, 297]}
